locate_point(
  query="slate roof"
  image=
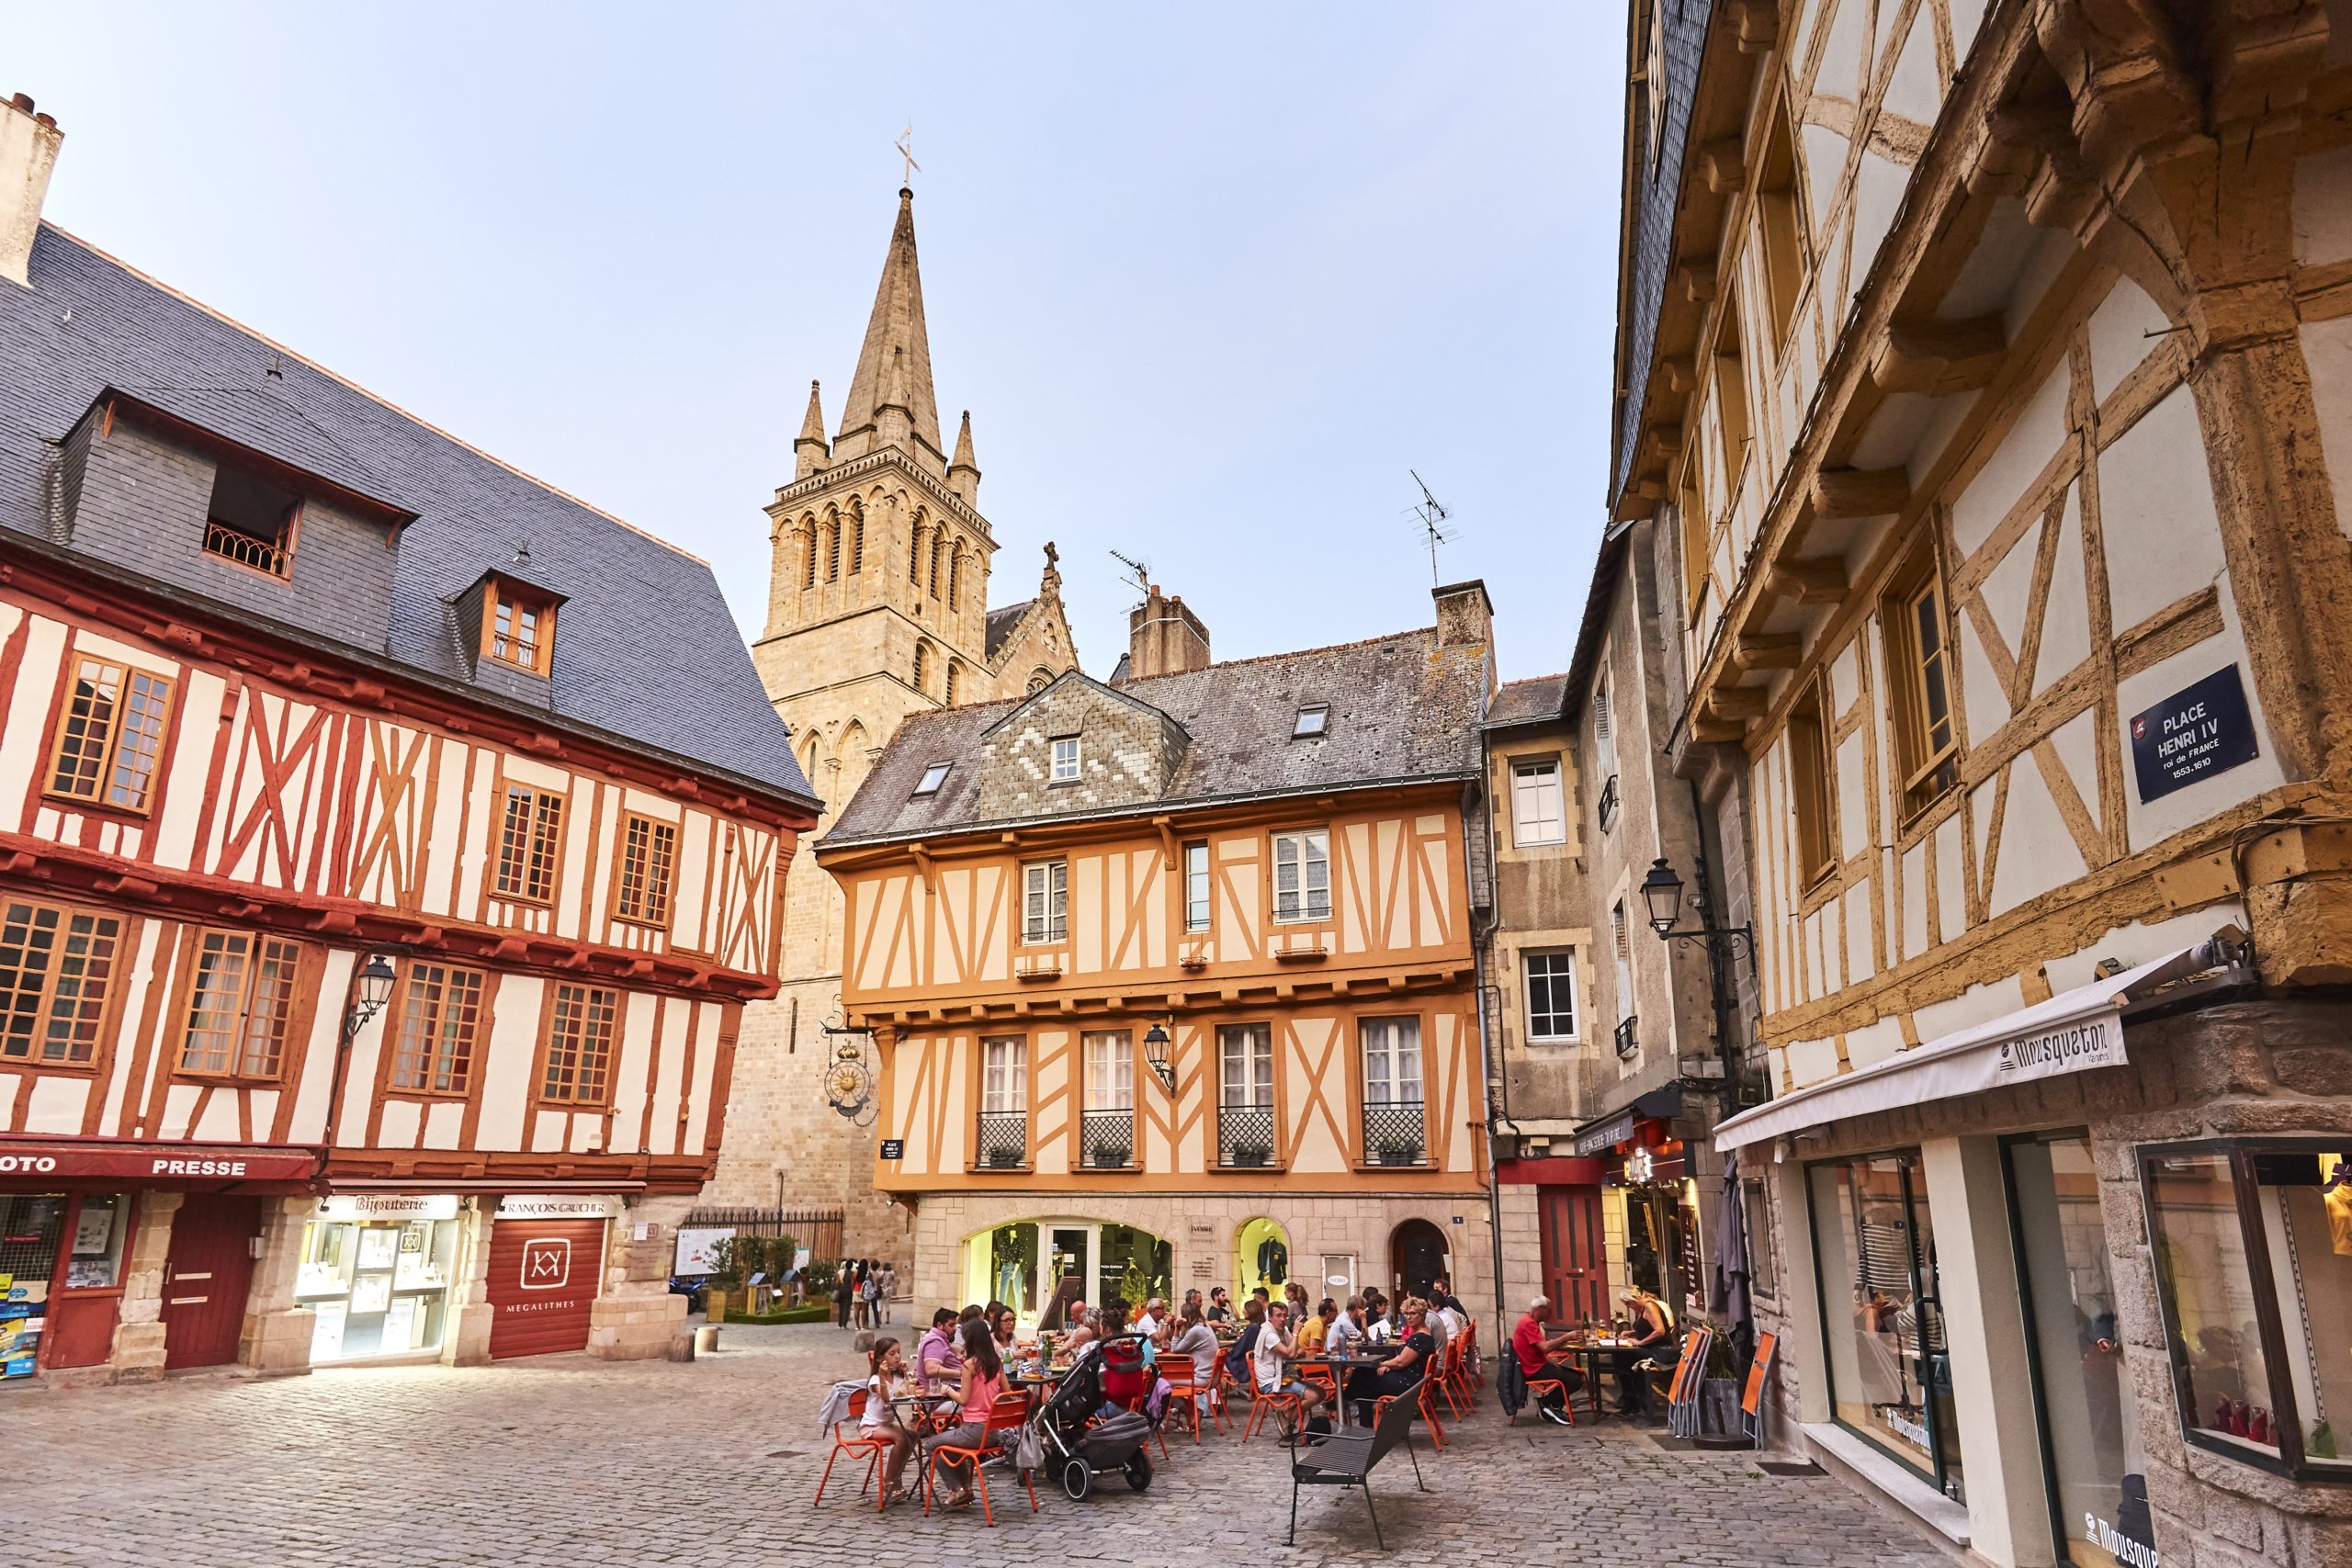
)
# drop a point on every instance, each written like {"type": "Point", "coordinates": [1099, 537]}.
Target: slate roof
{"type": "Point", "coordinates": [1402, 709]}
{"type": "Point", "coordinates": [1652, 193]}
{"type": "Point", "coordinates": [648, 652]}
{"type": "Point", "coordinates": [1536, 700]}
{"type": "Point", "coordinates": [1001, 620]}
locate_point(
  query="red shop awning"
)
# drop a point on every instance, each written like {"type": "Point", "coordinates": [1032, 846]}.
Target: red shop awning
{"type": "Point", "coordinates": [119, 1159]}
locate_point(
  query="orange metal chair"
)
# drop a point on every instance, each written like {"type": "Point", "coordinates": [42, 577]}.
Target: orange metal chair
{"type": "Point", "coordinates": [1536, 1385]}
{"type": "Point", "coordinates": [1184, 1390]}
{"type": "Point", "coordinates": [1451, 1381]}
{"type": "Point", "coordinates": [1010, 1412]}
{"type": "Point", "coordinates": [871, 1450]}
{"type": "Point", "coordinates": [1470, 1355]}
{"type": "Point", "coordinates": [1428, 1403]}
{"type": "Point", "coordinates": [1231, 1385]}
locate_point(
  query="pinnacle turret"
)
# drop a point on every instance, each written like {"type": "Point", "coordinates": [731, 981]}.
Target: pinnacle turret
{"type": "Point", "coordinates": [963, 474]}
{"type": "Point", "coordinates": [894, 363]}
{"type": "Point", "coordinates": [809, 452]}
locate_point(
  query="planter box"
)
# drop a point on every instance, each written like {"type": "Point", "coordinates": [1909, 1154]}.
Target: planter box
{"type": "Point", "coordinates": [1400, 1157]}
{"type": "Point", "coordinates": [1249, 1159]}
{"type": "Point", "coordinates": [1108, 1158]}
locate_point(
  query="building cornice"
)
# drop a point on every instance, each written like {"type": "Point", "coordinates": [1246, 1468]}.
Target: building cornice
{"type": "Point", "coordinates": [789, 497]}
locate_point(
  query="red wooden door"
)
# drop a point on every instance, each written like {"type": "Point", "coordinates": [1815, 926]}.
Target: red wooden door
{"type": "Point", "coordinates": [543, 1279]}
{"type": "Point", "coordinates": [1575, 1264]}
{"type": "Point", "coordinates": [208, 1273]}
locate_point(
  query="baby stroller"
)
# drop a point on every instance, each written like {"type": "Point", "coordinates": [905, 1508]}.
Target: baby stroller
{"type": "Point", "coordinates": [1080, 1453]}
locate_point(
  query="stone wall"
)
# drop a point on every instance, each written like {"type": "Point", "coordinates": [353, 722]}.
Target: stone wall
{"type": "Point", "coordinates": [1127, 753]}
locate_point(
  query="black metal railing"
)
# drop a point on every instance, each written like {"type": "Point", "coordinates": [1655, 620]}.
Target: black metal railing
{"type": "Point", "coordinates": [1395, 1133]}
{"type": "Point", "coordinates": [1627, 1043]}
{"type": "Point", "coordinates": [1245, 1136]}
{"type": "Point", "coordinates": [1004, 1139]}
{"type": "Point", "coordinates": [1609, 803]}
{"type": "Point", "coordinates": [1110, 1139]}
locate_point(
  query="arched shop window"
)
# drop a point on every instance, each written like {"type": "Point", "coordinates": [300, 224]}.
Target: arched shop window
{"type": "Point", "coordinates": [1260, 1256]}
{"type": "Point", "coordinates": [1023, 1263]}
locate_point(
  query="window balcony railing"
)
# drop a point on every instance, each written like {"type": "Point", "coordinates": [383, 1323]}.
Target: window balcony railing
{"type": "Point", "coordinates": [1245, 1136]}
{"type": "Point", "coordinates": [1109, 1139]}
{"type": "Point", "coordinates": [1395, 1133]}
{"type": "Point", "coordinates": [1608, 804]}
{"type": "Point", "coordinates": [1627, 1043]}
{"type": "Point", "coordinates": [1004, 1139]}
{"type": "Point", "coordinates": [233, 544]}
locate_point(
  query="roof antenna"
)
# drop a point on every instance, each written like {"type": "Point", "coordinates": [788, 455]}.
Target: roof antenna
{"type": "Point", "coordinates": [1433, 515]}
{"type": "Point", "coordinates": [1142, 572]}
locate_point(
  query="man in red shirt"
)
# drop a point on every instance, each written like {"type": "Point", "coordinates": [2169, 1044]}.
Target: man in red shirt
{"type": "Point", "coordinates": [1535, 1350]}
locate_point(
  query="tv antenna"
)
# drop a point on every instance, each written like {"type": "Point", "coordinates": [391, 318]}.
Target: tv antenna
{"type": "Point", "coordinates": [1142, 573]}
{"type": "Point", "coordinates": [1434, 516]}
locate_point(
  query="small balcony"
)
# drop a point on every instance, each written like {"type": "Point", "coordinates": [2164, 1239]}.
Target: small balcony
{"type": "Point", "coordinates": [1609, 802]}
{"type": "Point", "coordinates": [1108, 1140]}
{"type": "Point", "coordinates": [1245, 1136]}
{"type": "Point", "coordinates": [1395, 1134]}
{"type": "Point", "coordinates": [1005, 1140]}
{"type": "Point", "coordinates": [231, 543]}
{"type": "Point", "coordinates": [1628, 1043]}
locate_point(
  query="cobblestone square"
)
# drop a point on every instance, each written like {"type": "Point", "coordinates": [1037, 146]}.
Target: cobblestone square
{"type": "Point", "coordinates": [565, 1461]}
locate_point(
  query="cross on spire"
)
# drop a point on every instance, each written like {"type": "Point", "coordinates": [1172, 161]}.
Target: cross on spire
{"type": "Point", "coordinates": [906, 147]}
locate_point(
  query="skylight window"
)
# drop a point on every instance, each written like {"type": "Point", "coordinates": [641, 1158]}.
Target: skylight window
{"type": "Point", "coordinates": [933, 777]}
{"type": "Point", "coordinates": [1314, 720]}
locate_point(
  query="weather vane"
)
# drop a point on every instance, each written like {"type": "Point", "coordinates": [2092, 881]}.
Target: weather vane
{"type": "Point", "coordinates": [905, 145]}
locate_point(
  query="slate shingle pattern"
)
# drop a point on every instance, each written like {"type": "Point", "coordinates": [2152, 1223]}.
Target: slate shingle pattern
{"type": "Point", "coordinates": [1532, 700]}
{"type": "Point", "coordinates": [1655, 191]}
{"type": "Point", "coordinates": [645, 650]}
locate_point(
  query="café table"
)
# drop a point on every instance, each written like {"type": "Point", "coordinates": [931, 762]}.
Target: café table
{"type": "Point", "coordinates": [1341, 1366]}
{"type": "Point", "coordinates": [1588, 1353]}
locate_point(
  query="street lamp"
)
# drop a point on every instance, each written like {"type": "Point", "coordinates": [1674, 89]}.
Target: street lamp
{"type": "Point", "coordinates": [1662, 891]}
{"type": "Point", "coordinates": [1155, 1051]}
{"type": "Point", "coordinates": [372, 990]}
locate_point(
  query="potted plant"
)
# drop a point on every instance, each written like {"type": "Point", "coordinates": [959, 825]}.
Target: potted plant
{"type": "Point", "coordinates": [1251, 1155]}
{"type": "Point", "coordinates": [1400, 1151]}
{"type": "Point", "coordinates": [1004, 1159]}
{"type": "Point", "coordinates": [726, 1275]}
{"type": "Point", "coordinates": [1110, 1155]}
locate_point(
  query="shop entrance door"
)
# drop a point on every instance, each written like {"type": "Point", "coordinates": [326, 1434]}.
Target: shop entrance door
{"type": "Point", "coordinates": [1417, 1256]}
{"type": "Point", "coordinates": [543, 1280]}
{"type": "Point", "coordinates": [208, 1273]}
{"type": "Point", "coordinates": [1576, 1264]}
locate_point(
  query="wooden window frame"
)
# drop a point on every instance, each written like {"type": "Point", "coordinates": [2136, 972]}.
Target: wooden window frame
{"type": "Point", "coordinates": [1054, 774]}
{"type": "Point", "coordinates": [110, 747]}
{"type": "Point", "coordinates": [520, 893]}
{"type": "Point", "coordinates": [1056, 930]}
{"type": "Point", "coordinates": [1697, 533]}
{"type": "Point", "coordinates": [1927, 772]}
{"type": "Point", "coordinates": [240, 1067]}
{"type": "Point", "coordinates": [569, 1096]}
{"type": "Point", "coordinates": [1734, 420]}
{"type": "Point", "coordinates": [499, 594]}
{"type": "Point", "coordinates": [1811, 777]}
{"type": "Point", "coordinates": [655, 904]}
{"type": "Point", "coordinates": [1305, 915]}
{"type": "Point", "coordinates": [447, 978]}
{"type": "Point", "coordinates": [1780, 227]}
{"type": "Point", "coordinates": [1527, 959]}
{"type": "Point", "coordinates": [1524, 767]}
{"type": "Point", "coordinates": [102, 1024]}
{"type": "Point", "coordinates": [1184, 888]}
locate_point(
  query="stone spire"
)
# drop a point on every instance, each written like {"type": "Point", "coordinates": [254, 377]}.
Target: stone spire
{"type": "Point", "coordinates": [963, 474]}
{"type": "Point", "coordinates": [809, 452]}
{"type": "Point", "coordinates": [894, 364]}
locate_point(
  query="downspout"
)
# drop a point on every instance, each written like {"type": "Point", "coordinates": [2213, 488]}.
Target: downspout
{"type": "Point", "coordinates": [1490, 1068]}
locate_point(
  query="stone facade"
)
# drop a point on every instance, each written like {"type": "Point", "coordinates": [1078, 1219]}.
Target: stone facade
{"type": "Point", "coordinates": [878, 609]}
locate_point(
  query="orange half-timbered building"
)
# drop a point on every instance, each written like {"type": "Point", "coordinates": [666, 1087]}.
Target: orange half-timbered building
{"type": "Point", "coordinates": [1172, 978]}
{"type": "Point", "coordinates": [380, 888]}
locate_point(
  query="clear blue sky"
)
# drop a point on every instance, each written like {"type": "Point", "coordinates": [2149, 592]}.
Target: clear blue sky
{"type": "Point", "coordinates": [1211, 280]}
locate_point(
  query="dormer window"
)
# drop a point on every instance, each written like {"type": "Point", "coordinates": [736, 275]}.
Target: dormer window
{"type": "Point", "coordinates": [1314, 720]}
{"type": "Point", "coordinates": [1065, 760]}
{"type": "Point", "coordinates": [933, 777]}
{"type": "Point", "coordinates": [519, 630]}
{"type": "Point", "coordinates": [251, 521]}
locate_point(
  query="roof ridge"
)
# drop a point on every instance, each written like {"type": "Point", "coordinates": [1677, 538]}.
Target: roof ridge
{"type": "Point", "coordinates": [1527, 680]}
{"type": "Point", "coordinates": [1294, 653]}
{"type": "Point", "coordinates": [377, 398]}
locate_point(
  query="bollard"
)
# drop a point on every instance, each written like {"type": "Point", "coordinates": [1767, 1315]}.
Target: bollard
{"type": "Point", "coordinates": [705, 1339]}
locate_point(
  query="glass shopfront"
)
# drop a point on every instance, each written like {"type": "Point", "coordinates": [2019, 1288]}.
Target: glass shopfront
{"type": "Point", "coordinates": [2089, 1417]}
{"type": "Point", "coordinates": [1023, 1264]}
{"type": "Point", "coordinates": [374, 1274]}
{"type": "Point", "coordinates": [1890, 1369]}
{"type": "Point", "coordinates": [61, 1264]}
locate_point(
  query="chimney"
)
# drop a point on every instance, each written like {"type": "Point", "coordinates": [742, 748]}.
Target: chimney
{"type": "Point", "coordinates": [1165, 639]}
{"type": "Point", "coordinates": [1466, 618]}
{"type": "Point", "coordinates": [28, 152]}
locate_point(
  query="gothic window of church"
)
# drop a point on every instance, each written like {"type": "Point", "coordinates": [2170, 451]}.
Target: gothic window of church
{"type": "Point", "coordinates": [954, 578]}
{"type": "Point", "coordinates": [809, 554]}
{"type": "Point", "coordinates": [922, 665]}
{"type": "Point", "coordinates": [951, 683]}
{"type": "Point", "coordinates": [938, 561]}
{"type": "Point", "coordinates": [856, 539]}
{"type": "Point", "coordinates": [915, 553]}
{"type": "Point", "coordinates": [1039, 680]}
{"type": "Point", "coordinates": [834, 550]}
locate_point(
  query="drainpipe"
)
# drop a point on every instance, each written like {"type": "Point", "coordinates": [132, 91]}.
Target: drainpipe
{"type": "Point", "coordinates": [1490, 1075]}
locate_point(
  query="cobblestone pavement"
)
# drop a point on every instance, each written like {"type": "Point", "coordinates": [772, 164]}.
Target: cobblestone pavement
{"type": "Point", "coordinates": [566, 1460]}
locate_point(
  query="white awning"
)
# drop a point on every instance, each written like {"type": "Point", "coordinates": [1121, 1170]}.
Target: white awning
{"type": "Point", "coordinates": [2073, 1032]}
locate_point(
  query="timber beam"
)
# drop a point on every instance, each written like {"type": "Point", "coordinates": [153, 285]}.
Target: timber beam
{"type": "Point", "coordinates": [1814, 579]}
{"type": "Point", "coordinates": [1936, 358]}
{"type": "Point", "coordinates": [1860, 493]}
{"type": "Point", "coordinates": [1723, 166]}
{"type": "Point", "coordinates": [1738, 702]}
{"type": "Point", "coordinates": [1766, 650]}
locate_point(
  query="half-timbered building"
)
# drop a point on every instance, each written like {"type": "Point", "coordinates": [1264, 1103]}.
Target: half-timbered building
{"type": "Point", "coordinates": [382, 882]}
{"type": "Point", "coordinates": [1985, 362]}
{"type": "Point", "coordinates": [1172, 978]}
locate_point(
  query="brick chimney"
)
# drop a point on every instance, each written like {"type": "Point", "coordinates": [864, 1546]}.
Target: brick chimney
{"type": "Point", "coordinates": [28, 152]}
{"type": "Point", "coordinates": [1465, 618]}
{"type": "Point", "coordinates": [1164, 638]}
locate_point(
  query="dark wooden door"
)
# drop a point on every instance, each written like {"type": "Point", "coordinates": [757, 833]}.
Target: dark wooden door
{"type": "Point", "coordinates": [208, 1273]}
{"type": "Point", "coordinates": [1575, 1266]}
{"type": "Point", "coordinates": [1417, 1256]}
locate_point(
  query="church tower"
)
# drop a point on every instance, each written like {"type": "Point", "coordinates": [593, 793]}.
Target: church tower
{"type": "Point", "coordinates": [877, 608]}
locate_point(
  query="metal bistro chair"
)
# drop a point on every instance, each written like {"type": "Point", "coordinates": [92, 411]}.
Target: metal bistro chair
{"type": "Point", "coordinates": [1232, 1383]}
{"type": "Point", "coordinates": [1683, 1414]}
{"type": "Point", "coordinates": [871, 1449]}
{"type": "Point", "coordinates": [1453, 1382]}
{"type": "Point", "coordinates": [1424, 1398]}
{"type": "Point", "coordinates": [1347, 1459]}
{"type": "Point", "coordinates": [1751, 1399]}
{"type": "Point", "coordinates": [1184, 1391]}
{"type": "Point", "coordinates": [1009, 1413]}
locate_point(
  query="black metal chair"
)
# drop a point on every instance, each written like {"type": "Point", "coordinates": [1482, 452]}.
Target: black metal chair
{"type": "Point", "coordinates": [1348, 1458]}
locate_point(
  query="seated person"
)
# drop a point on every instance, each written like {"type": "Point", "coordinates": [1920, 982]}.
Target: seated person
{"type": "Point", "coordinates": [1271, 1372]}
{"type": "Point", "coordinates": [1413, 1359]}
{"type": "Point", "coordinates": [1314, 1331]}
{"type": "Point", "coordinates": [938, 1359]}
{"type": "Point", "coordinates": [1653, 1340]}
{"type": "Point", "coordinates": [977, 1383]}
{"type": "Point", "coordinates": [1535, 1350]}
{"type": "Point", "coordinates": [889, 1377]}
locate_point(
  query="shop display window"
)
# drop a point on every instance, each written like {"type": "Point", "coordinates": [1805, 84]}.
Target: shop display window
{"type": "Point", "coordinates": [2090, 1424]}
{"type": "Point", "coordinates": [31, 1224]}
{"type": "Point", "coordinates": [2252, 1249]}
{"type": "Point", "coordinates": [95, 1259]}
{"type": "Point", "coordinates": [376, 1288]}
{"type": "Point", "coordinates": [1881, 1317]}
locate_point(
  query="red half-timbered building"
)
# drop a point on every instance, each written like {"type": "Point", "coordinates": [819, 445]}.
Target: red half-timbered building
{"type": "Point", "coordinates": [389, 843]}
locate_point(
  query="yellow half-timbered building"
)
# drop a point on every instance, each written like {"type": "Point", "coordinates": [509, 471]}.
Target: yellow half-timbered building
{"type": "Point", "coordinates": [1171, 977]}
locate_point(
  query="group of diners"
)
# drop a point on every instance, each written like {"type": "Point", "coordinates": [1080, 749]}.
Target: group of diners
{"type": "Point", "coordinates": [941, 1394]}
{"type": "Point", "coordinates": [1644, 1340]}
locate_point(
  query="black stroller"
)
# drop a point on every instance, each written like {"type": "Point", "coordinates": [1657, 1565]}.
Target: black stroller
{"type": "Point", "coordinates": [1079, 1452]}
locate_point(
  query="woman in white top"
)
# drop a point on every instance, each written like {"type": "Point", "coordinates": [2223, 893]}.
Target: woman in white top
{"type": "Point", "coordinates": [889, 1377]}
